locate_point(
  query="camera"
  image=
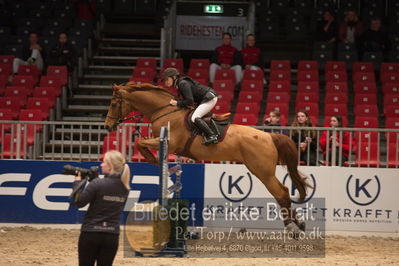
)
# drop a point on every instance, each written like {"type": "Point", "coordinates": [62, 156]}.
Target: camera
{"type": "Point", "coordinates": [90, 173]}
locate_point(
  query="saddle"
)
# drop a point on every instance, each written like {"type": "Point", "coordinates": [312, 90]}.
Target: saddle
{"type": "Point", "coordinates": [218, 123]}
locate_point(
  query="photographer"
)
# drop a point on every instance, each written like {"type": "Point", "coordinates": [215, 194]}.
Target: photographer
{"type": "Point", "coordinates": [107, 196]}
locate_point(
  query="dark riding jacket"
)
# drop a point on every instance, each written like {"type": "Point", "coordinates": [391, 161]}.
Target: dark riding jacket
{"type": "Point", "coordinates": [107, 197]}
{"type": "Point", "coordinates": [193, 92]}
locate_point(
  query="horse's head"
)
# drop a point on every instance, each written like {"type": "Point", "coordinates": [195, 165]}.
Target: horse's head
{"type": "Point", "coordinates": [118, 109]}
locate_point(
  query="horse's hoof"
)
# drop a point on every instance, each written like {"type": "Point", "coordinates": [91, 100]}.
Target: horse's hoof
{"type": "Point", "coordinates": [301, 225]}
{"type": "Point", "coordinates": [293, 230]}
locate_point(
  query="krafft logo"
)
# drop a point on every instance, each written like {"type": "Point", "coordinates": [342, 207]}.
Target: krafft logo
{"type": "Point", "coordinates": [294, 191]}
{"type": "Point", "coordinates": [235, 188]}
{"type": "Point", "coordinates": [363, 191]}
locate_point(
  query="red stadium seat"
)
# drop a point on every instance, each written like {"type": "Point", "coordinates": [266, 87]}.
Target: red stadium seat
{"type": "Point", "coordinates": [366, 122]}
{"type": "Point", "coordinates": [280, 65]}
{"type": "Point", "coordinates": [7, 142]}
{"type": "Point", "coordinates": [140, 80]}
{"type": "Point", "coordinates": [393, 155]}
{"type": "Point", "coordinates": [359, 67]}
{"type": "Point", "coordinates": [389, 77]}
{"type": "Point", "coordinates": [174, 62]}
{"type": "Point", "coordinates": [51, 81]}
{"type": "Point", "coordinates": [390, 88]}
{"type": "Point", "coordinates": [336, 98]}
{"type": "Point", "coordinates": [30, 70]}
{"type": "Point", "coordinates": [366, 110]}
{"type": "Point", "coordinates": [58, 71]}
{"type": "Point", "coordinates": [144, 73]}
{"type": "Point", "coordinates": [389, 67]}
{"type": "Point", "coordinates": [307, 97]}
{"type": "Point", "coordinates": [203, 81]}
{"type": "Point", "coordinates": [309, 75]}
{"type": "Point", "coordinates": [3, 83]}
{"type": "Point", "coordinates": [278, 97]}
{"type": "Point", "coordinates": [364, 77]}
{"type": "Point", "coordinates": [280, 85]}
{"type": "Point", "coordinates": [282, 108]}
{"type": "Point", "coordinates": [224, 85]}
{"type": "Point", "coordinates": [392, 122]}
{"type": "Point", "coordinates": [253, 75]}
{"type": "Point", "coordinates": [17, 91]}
{"type": "Point", "coordinates": [364, 87]}
{"type": "Point", "coordinates": [280, 75]}
{"type": "Point", "coordinates": [308, 87]}
{"type": "Point", "coordinates": [225, 74]}
{"type": "Point", "coordinates": [12, 103]}
{"type": "Point", "coordinates": [311, 108]}
{"type": "Point", "coordinates": [250, 97]}
{"type": "Point", "coordinates": [199, 73]}
{"type": "Point", "coordinates": [26, 81]}
{"type": "Point", "coordinates": [222, 107]}
{"type": "Point", "coordinates": [391, 111]}
{"type": "Point", "coordinates": [6, 59]}
{"type": "Point", "coordinates": [245, 119]}
{"type": "Point", "coordinates": [334, 66]}
{"type": "Point", "coordinates": [40, 104]}
{"type": "Point", "coordinates": [365, 98]}
{"type": "Point", "coordinates": [200, 63]}
{"type": "Point", "coordinates": [5, 114]}
{"type": "Point", "coordinates": [225, 95]}
{"type": "Point", "coordinates": [304, 65]}
{"type": "Point", "coordinates": [5, 69]}
{"type": "Point", "coordinates": [336, 76]}
{"type": "Point", "coordinates": [252, 85]}
{"type": "Point", "coordinates": [368, 155]}
{"type": "Point", "coordinates": [111, 143]}
{"type": "Point", "coordinates": [391, 99]}
{"type": "Point", "coordinates": [147, 62]}
{"type": "Point", "coordinates": [337, 87]}
{"type": "Point", "coordinates": [336, 109]}
{"type": "Point", "coordinates": [248, 108]}
{"type": "Point", "coordinates": [31, 130]}
{"type": "Point", "coordinates": [50, 93]}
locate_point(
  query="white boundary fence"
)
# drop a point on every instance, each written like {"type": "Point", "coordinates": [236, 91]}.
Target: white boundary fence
{"type": "Point", "coordinates": [87, 141]}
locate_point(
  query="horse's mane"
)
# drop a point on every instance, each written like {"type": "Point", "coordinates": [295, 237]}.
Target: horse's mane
{"type": "Point", "coordinates": [133, 86]}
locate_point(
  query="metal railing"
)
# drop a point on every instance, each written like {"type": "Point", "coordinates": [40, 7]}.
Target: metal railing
{"type": "Point", "coordinates": [87, 141]}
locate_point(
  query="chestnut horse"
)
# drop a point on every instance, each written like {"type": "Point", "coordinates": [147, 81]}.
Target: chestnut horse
{"type": "Point", "coordinates": [258, 150]}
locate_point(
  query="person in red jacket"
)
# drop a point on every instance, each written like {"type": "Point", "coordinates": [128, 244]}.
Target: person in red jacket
{"type": "Point", "coordinates": [344, 143]}
{"type": "Point", "coordinates": [226, 56]}
{"type": "Point", "coordinates": [251, 55]}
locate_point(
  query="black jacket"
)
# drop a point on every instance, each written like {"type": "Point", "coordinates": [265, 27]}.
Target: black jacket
{"type": "Point", "coordinates": [107, 197]}
{"type": "Point", "coordinates": [27, 52]}
{"type": "Point", "coordinates": [193, 92]}
{"type": "Point", "coordinates": [58, 57]}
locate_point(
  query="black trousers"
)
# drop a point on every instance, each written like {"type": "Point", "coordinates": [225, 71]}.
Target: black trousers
{"type": "Point", "coordinates": [97, 247]}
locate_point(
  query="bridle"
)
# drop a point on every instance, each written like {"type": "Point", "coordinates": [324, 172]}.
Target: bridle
{"type": "Point", "coordinates": [121, 101]}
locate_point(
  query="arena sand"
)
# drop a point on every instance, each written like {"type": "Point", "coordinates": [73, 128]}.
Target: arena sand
{"type": "Point", "coordinates": [46, 246]}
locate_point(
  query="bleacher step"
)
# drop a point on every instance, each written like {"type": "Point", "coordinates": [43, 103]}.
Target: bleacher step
{"type": "Point", "coordinates": [133, 50]}
{"type": "Point", "coordinates": [131, 42]}
{"type": "Point", "coordinates": [106, 77]}
{"type": "Point", "coordinates": [95, 87]}
{"type": "Point", "coordinates": [83, 118]}
{"type": "Point", "coordinates": [130, 59]}
{"type": "Point", "coordinates": [91, 97]}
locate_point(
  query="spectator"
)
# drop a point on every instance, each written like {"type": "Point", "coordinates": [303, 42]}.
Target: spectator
{"type": "Point", "coordinates": [63, 53]}
{"type": "Point", "coordinates": [336, 122]}
{"type": "Point", "coordinates": [85, 9]}
{"type": "Point", "coordinates": [327, 29]}
{"type": "Point", "coordinates": [273, 120]}
{"type": "Point", "coordinates": [226, 57]}
{"type": "Point", "coordinates": [305, 139]}
{"type": "Point", "coordinates": [32, 54]}
{"type": "Point", "coordinates": [376, 39]}
{"type": "Point", "coordinates": [351, 28]}
{"type": "Point", "coordinates": [251, 55]}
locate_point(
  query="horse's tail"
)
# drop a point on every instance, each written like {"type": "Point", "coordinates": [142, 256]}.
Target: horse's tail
{"type": "Point", "coordinates": [288, 155]}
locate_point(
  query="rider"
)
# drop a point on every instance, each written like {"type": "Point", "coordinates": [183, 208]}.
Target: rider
{"type": "Point", "coordinates": [193, 92]}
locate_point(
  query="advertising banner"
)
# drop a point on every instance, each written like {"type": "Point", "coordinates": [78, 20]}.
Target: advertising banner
{"type": "Point", "coordinates": [37, 192]}
{"type": "Point", "coordinates": [205, 32]}
{"type": "Point", "coordinates": [356, 199]}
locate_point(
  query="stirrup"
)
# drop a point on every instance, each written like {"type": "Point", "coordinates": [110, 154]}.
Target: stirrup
{"type": "Point", "coordinates": [210, 140]}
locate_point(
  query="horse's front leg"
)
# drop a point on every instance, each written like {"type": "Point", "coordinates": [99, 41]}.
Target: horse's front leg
{"type": "Point", "coordinates": [143, 145]}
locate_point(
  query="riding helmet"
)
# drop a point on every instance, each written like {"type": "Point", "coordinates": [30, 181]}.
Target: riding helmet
{"type": "Point", "coordinates": [170, 72]}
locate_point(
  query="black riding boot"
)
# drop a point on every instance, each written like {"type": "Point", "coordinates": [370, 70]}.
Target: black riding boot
{"type": "Point", "coordinates": [210, 137]}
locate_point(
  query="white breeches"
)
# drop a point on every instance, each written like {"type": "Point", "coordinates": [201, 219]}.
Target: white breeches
{"type": "Point", "coordinates": [204, 108]}
{"type": "Point", "coordinates": [35, 54]}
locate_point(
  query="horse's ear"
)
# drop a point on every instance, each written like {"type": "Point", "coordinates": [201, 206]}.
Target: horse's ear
{"type": "Point", "coordinates": [115, 87]}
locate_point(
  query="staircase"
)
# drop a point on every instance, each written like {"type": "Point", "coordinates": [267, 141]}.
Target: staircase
{"type": "Point", "coordinates": [123, 40]}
